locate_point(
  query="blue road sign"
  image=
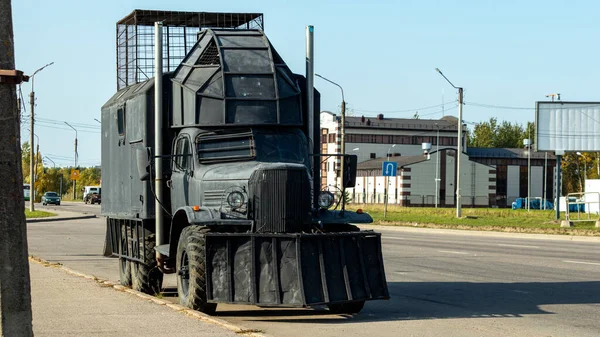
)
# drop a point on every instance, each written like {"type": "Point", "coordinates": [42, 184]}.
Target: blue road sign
{"type": "Point", "coordinates": [389, 168]}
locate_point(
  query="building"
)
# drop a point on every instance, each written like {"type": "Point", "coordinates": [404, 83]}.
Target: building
{"type": "Point", "coordinates": [489, 177]}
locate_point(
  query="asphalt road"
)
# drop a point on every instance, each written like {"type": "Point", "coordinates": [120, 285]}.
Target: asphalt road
{"type": "Point", "coordinates": [442, 283]}
{"type": "Point", "coordinates": [69, 206]}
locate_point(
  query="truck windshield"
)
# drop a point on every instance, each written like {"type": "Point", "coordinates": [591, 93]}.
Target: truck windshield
{"type": "Point", "coordinates": [280, 147]}
{"type": "Point", "coordinates": [260, 145]}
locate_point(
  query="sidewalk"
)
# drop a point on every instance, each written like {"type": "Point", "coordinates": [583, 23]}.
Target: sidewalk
{"type": "Point", "coordinates": [68, 305]}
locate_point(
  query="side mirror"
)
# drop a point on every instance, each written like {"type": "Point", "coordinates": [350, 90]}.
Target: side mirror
{"type": "Point", "coordinates": [143, 163]}
{"type": "Point", "coordinates": [350, 166]}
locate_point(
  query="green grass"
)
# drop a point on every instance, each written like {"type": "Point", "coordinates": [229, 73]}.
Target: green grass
{"type": "Point", "coordinates": [491, 219]}
{"type": "Point", "coordinates": [38, 214]}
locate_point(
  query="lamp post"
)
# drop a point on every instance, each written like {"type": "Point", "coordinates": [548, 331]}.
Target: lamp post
{"type": "Point", "coordinates": [31, 120]}
{"type": "Point", "coordinates": [459, 149]}
{"type": "Point", "coordinates": [437, 165]}
{"type": "Point", "coordinates": [342, 140]}
{"type": "Point", "coordinates": [53, 163]}
{"type": "Point", "coordinates": [75, 167]}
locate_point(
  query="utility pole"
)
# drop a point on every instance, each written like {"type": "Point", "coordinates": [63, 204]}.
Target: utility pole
{"type": "Point", "coordinates": [437, 165]}
{"type": "Point", "coordinates": [15, 288]}
{"type": "Point", "coordinates": [74, 181]}
{"type": "Point", "coordinates": [342, 140]}
{"type": "Point", "coordinates": [32, 122]}
{"type": "Point", "coordinates": [459, 147]}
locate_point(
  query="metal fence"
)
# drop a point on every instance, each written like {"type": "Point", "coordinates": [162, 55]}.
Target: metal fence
{"type": "Point", "coordinates": [587, 203]}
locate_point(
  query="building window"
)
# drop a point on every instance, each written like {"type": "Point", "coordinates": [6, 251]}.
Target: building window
{"type": "Point", "coordinates": [373, 156]}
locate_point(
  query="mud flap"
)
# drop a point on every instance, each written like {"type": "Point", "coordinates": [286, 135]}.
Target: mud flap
{"type": "Point", "coordinates": [295, 270]}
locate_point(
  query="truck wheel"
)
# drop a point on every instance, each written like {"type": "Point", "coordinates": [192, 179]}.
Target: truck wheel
{"type": "Point", "coordinates": [124, 264]}
{"type": "Point", "coordinates": [191, 270]}
{"type": "Point", "coordinates": [146, 277]}
{"type": "Point", "coordinates": [346, 308]}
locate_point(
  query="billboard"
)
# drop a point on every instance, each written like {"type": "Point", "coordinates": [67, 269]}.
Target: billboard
{"type": "Point", "coordinates": [567, 126]}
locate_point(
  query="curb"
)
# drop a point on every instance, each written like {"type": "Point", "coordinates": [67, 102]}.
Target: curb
{"type": "Point", "coordinates": [58, 218]}
{"type": "Point", "coordinates": [472, 232]}
{"type": "Point", "coordinates": [173, 306]}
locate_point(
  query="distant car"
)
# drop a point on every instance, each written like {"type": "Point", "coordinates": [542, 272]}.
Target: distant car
{"type": "Point", "coordinates": [92, 198]}
{"type": "Point", "coordinates": [50, 198]}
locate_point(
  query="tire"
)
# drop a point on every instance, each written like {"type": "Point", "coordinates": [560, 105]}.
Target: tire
{"type": "Point", "coordinates": [346, 308]}
{"type": "Point", "coordinates": [124, 264]}
{"type": "Point", "coordinates": [146, 277]}
{"type": "Point", "coordinates": [58, 204]}
{"type": "Point", "coordinates": [191, 270]}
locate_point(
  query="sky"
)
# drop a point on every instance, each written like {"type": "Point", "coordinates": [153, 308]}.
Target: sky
{"type": "Point", "coordinates": [505, 54]}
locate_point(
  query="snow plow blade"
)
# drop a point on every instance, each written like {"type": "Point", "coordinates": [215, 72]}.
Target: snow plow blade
{"type": "Point", "coordinates": [295, 270]}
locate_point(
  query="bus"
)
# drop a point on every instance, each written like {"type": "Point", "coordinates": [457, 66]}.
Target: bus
{"type": "Point", "coordinates": [26, 191]}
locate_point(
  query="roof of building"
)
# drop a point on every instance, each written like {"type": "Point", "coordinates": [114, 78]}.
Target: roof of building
{"type": "Point", "coordinates": [447, 123]}
{"type": "Point", "coordinates": [480, 152]}
{"type": "Point", "coordinates": [401, 160]}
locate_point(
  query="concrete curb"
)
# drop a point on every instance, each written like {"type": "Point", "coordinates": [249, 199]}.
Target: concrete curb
{"type": "Point", "coordinates": [471, 232]}
{"type": "Point", "coordinates": [175, 307]}
{"type": "Point", "coordinates": [63, 218]}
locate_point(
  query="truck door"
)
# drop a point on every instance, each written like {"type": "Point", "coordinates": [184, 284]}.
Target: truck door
{"type": "Point", "coordinates": [183, 168]}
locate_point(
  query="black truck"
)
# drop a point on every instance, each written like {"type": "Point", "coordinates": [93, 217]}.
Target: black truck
{"type": "Point", "coordinates": [245, 220]}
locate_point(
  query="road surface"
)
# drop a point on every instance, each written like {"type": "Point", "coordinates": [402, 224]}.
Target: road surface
{"type": "Point", "coordinates": [441, 284]}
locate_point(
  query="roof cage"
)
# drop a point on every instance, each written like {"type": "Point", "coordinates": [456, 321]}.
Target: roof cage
{"type": "Point", "coordinates": [135, 38]}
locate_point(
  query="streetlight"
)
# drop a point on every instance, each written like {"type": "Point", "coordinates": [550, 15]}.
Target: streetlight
{"type": "Point", "coordinates": [437, 165]}
{"type": "Point", "coordinates": [31, 120]}
{"type": "Point", "coordinates": [53, 163]}
{"type": "Point", "coordinates": [343, 143]}
{"type": "Point", "coordinates": [459, 149]}
{"type": "Point", "coordinates": [75, 167]}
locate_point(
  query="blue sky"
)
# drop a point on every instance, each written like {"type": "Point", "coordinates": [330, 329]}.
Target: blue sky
{"type": "Point", "coordinates": [383, 53]}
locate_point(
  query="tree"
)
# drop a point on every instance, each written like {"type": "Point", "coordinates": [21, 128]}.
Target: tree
{"type": "Point", "coordinates": [483, 134]}
{"type": "Point", "coordinates": [15, 289]}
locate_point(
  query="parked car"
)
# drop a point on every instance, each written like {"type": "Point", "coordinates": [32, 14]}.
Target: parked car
{"type": "Point", "coordinates": [92, 198]}
{"type": "Point", "coordinates": [50, 198]}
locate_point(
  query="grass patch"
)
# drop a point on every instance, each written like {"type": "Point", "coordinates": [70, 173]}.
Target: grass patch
{"type": "Point", "coordinates": [492, 219]}
{"type": "Point", "coordinates": [38, 214]}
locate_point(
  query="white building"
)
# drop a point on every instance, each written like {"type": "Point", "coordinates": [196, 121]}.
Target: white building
{"type": "Point", "coordinates": [489, 177]}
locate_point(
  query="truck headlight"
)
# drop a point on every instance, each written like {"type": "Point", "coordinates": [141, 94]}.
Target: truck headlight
{"type": "Point", "coordinates": [235, 199]}
{"type": "Point", "coordinates": [325, 199]}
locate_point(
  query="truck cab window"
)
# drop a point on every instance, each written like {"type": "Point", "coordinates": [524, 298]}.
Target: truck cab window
{"type": "Point", "coordinates": [183, 160]}
{"type": "Point", "coordinates": [225, 146]}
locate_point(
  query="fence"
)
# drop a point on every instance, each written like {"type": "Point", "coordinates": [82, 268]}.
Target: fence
{"type": "Point", "coordinates": [586, 202]}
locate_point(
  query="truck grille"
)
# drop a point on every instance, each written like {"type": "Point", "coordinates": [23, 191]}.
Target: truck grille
{"type": "Point", "coordinates": [280, 200]}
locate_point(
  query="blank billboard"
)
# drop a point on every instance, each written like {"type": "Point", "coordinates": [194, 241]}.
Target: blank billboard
{"type": "Point", "coordinates": [567, 126]}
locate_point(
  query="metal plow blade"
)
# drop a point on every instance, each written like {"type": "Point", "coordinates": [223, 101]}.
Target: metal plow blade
{"type": "Point", "coordinates": [295, 270]}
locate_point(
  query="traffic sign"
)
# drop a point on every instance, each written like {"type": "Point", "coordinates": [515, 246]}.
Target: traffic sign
{"type": "Point", "coordinates": [389, 168]}
{"type": "Point", "coordinates": [74, 174]}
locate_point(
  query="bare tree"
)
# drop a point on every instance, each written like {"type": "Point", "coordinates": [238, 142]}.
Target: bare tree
{"type": "Point", "coordinates": [15, 292]}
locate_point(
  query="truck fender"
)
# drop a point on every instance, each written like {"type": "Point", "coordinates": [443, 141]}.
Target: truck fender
{"type": "Point", "coordinates": [183, 217]}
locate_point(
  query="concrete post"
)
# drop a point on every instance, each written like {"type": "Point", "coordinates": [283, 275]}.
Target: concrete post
{"type": "Point", "coordinates": [15, 293]}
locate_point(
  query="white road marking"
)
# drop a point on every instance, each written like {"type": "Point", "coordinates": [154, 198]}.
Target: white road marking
{"type": "Point", "coordinates": [517, 246]}
{"type": "Point", "coordinates": [393, 238]}
{"type": "Point", "coordinates": [581, 262]}
{"type": "Point", "coordinates": [521, 291]}
{"type": "Point", "coordinates": [452, 252]}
